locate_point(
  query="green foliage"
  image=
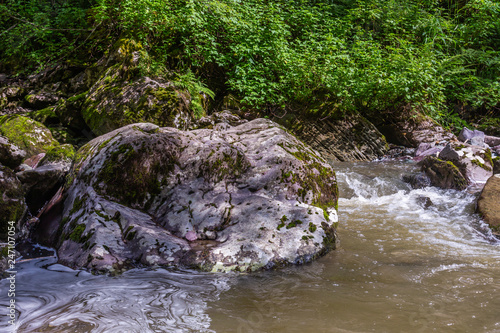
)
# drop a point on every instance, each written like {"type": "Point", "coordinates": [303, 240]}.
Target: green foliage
{"type": "Point", "coordinates": [198, 91]}
{"type": "Point", "coordinates": [36, 32]}
{"type": "Point", "coordinates": [324, 57]}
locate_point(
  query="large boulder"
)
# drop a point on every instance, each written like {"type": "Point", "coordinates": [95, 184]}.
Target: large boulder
{"type": "Point", "coordinates": [27, 134]}
{"type": "Point", "coordinates": [122, 95]}
{"type": "Point", "coordinates": [112, 103]}
{"type": "Point", "coordinates": [12, 205]}
{"type": "Point", "coordinates": [230, 198]}
{"type": "Point", "coordinates": [488, 204]}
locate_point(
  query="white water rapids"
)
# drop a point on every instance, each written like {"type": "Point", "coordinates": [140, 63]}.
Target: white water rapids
{"type": "Point", "coordinates": [399, 267]}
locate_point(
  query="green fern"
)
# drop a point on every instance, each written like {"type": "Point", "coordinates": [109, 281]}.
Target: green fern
{"type": "Point", "coordinates": [196, 89]}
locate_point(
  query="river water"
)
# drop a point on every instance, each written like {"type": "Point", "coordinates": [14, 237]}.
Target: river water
{"type": "Point", "coordinates": [399, 267]}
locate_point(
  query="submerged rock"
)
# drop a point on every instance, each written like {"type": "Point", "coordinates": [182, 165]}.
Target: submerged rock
{"type": "Point", "coordinates": [424, 202]}
{"type": "Point", "coordinates": [488, 204]}
{"type": "Point", "coordinates": [241, 198]}
{"type": "Point", "coordinates": [420, 180]}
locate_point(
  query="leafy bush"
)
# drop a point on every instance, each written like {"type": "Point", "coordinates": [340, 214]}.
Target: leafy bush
{"type": "Point", "coordinates": [324, 57]}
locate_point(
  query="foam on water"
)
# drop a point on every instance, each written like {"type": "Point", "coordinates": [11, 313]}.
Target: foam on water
{"type": "Point", "coordinates": [449, 222]}
{"type": "Point", "coordinates": [53, 298]}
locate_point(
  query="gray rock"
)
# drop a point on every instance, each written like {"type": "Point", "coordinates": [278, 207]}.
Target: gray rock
{"type": "Point", "coordinates": [225, 117]}
{"type": "Point", "coordinates": [434, 151]}
{"type": "Point", "coordinates": [473, 162]}
{"type": "Point", "coordinates": [466, 135]}
{"type": "Point", "coordinates": [425, 202]}
{"type": "Point", "coordinates": [45, 175]}
{"type": "Point", "coordinates": [492, 141]}
{"type": "Point", "coordinates": [412, 131]}
{"type": "Point", "coordinates": [10, 154]}
{"type": "Point", "coordinates": [422, 147]}
{"type": "Point", "coordinates": [449, 154]}
{"type": "Point", "coordinates": [420, 180]}
{"type": "Point", "coordinates": [41, 99]}
{"type": "Point", "coordinates": [496, 165]}
{"type": "Point", "coordinates": [478, 141]}
{"type": "Point", "coordinates": [242, 198]}
{"type": "Point", "coordinates": [42, 183]}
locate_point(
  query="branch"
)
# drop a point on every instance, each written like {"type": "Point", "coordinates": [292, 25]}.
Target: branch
{"type": "Point", "coordinates": [12, 27]}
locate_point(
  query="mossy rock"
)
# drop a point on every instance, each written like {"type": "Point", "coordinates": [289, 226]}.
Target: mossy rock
{"type": "Point", "coordinates": [28, 134]}
{"type": "Point", "coordinates": [65, 152]}
{"type": "Point", "coordinates": [69, 111]}
{"type": "Point", "coordinates": [113, 103]}
{"type": "Point", "coordinates": [12, 204]}
{"type": "Point", "coordinates": [45, 116]}
{"type": "Point", "coordinates": [444, 174]}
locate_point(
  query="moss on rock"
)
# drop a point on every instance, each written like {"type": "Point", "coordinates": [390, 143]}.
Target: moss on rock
{"type": "Point", "coordinates": [64, 152]}
{"type": "Point", "coordinates": [28, 134]}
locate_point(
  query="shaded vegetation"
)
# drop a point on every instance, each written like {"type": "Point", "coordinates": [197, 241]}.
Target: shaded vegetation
{"type": "Point", "coordinates": [320, 57]}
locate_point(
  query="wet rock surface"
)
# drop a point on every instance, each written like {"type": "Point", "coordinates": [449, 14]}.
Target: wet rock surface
{"type": "Point", "coordinates": [443, 174]}
{"type": "Point", "coordinates": [234, 198]}
{"type": "Point", "coordinates": [488, 204]}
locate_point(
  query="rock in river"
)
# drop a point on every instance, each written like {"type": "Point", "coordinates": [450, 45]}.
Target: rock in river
{"type": "Point", "coordinates": [225, 199]}
{"type": "Point", "coordinates": [488, 204]}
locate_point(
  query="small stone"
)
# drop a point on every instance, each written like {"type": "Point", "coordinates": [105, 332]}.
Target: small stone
{"type": "Point", "coordinates": [191, 236]}
{"type": "Point", "coordinates": [449, 154]}
{"type": "Point", "coordinates": [417, 181]}
{"type": "Point", "coordinates": [492, 141]}
{"type": "Point", "coordinates": [425, 202]}
{"type": "Point", "coordinates": [466, 134]}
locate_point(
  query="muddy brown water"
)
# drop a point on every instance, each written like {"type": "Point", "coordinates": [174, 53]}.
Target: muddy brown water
{"type": "Point", "coordinates": [399, 267]}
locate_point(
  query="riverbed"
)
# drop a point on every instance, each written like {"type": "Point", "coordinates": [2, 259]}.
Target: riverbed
{"type": "Point", "coordinates": [408, 260]}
